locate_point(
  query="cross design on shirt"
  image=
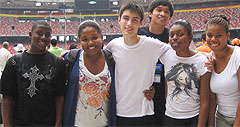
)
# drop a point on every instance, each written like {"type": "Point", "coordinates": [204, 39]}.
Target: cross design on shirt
{"type": "Point", "coordinates": [33, 76]}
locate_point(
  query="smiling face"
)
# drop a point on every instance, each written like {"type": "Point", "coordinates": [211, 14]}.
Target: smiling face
{"type": "Point", "coordinates": [91, 40]}
{"type": "Point", "coordinates": [160, 15]}
{"type": "Point", "coordinates": [216, 37]}
{"type": "Point", "coordinates": [129, 23]}
{"type": "Point", "coordinates": [179, 38]}
{"type": "Point", "coordinates": [40, 38]}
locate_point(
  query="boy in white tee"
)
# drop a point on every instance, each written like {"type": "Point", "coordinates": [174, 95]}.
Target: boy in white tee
{"type": "Point", "coordinates": [136, 57]}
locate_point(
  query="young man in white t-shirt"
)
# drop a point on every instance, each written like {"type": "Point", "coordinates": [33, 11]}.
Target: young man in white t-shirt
{"type": "Point", "coordinates": [160, 13]}
{"type": "Point", "coordinates": [136, 57]}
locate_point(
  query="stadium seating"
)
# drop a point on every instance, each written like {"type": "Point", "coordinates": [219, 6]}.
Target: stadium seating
{"type": "Point", "coordinates": [197, 18]}
{"type": "Point", "coordinates": [5, 26]}
{"type": "Point", "coordinates": [71, 28]}
{"type": "Point", "coordinates": [56, 27]}
{"type": "Point", "coordinates": [23, 28]}
{"type": "Point", "coordinates": [235, 21]}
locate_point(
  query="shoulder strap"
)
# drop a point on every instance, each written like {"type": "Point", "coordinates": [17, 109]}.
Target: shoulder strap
{"type": "Point", "coordinates": [73, 55]}
{"type": "Point", "coordinates": [110, 59]}
{"type": "Point", "coordinates": [70, 60]}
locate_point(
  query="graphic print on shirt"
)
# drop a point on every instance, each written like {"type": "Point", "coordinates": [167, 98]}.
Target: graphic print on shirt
{"type": "Point", "coordinates": [34, 76]}
{"type": "Point", "coordinates": [94, 92]}
{"type": "Point", "coordinates": [182, 78]}
{"type": "Point", "coordinates": [51, 73]}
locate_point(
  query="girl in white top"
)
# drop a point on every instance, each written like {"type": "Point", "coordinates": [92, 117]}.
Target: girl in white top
{"type": "Point", "coordinates": [187, 79]}
{"type": "Point", "coordinates": [225, 77]}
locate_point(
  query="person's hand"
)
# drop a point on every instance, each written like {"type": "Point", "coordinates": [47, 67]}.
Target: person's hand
{"type": "Point", "coordinates": [211, 61]}
{"type": "Point", "coordinates": [149, 94]}
{"type": "Point", "coordinates": [210, 65]}
{"type": "Point", "coordinates": [64, 53]}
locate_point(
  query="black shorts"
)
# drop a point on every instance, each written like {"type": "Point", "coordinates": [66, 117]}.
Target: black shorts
{"type": "Point", "coordinates": [172, 122]}
{"type": "Point", "coordinates": [136, 121]}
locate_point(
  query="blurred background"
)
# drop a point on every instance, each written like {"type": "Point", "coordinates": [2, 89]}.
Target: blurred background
{"type": "Point", "coordinates": [64, 16]}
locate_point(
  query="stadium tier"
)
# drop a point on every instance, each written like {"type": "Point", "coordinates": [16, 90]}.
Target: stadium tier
{"type": "Point", "coordinates": [197, 17]}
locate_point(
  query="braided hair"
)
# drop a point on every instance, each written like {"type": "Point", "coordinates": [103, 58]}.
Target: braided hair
{"type": "Point", "coordinates": [219, 20]}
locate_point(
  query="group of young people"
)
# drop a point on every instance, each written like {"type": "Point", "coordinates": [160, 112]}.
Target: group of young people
{"type": "Point", "coordinates": [113, 86]}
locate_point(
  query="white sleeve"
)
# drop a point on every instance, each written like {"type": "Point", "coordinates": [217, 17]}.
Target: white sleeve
{"type": "Point", "coordinates": [237, 57]}
{"type": "Point", "coordinates": [203, 69]}
{"type": "Point", "coordinates": [9, 55]}
{"type": "Point", "coordinates": [109, 45]}
{"type": "Point", "coordinates": [163, 57]}
{"type": "Point", "coordinates": [158, 47]}
{"type": "Point", "coordinates": [163, 52]}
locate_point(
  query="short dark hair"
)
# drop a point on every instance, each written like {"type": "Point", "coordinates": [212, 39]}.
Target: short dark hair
{"type": "Point", "coordinates": [5, 44]}
{"type": "Point", "coordinates": [73, 46]}
{"type": "Point", "coordinates": [88, 23]}
{"type": "Point", "coordinates": [184, 23]}
{"type": "Point", "coordinates": [54, 42]}
{"type": "Point", "coordinates": [203, 36]}
{"type": "Point", "coordinates": [35, 24]}
{"type": "Point", "coordinates": [156, 3]}
{"type": "Point", "coordinates": [132, 6]}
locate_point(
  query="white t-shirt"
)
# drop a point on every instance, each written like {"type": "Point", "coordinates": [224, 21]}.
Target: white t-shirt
{"type": "Point", "coordinates": [134, 72]}
{"type": "Point", "coordinates": [4, 56]}
{"type": "Point", "coordinates": [226, 87]}
{"type": "Point", "coordinates": [183, 80]}
{"type": "Point", "coordinates": [93, 96]}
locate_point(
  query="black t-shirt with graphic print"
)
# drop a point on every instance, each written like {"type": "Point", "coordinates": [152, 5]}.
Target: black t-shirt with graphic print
{"type": "Point", "coordinates": [34, 81]}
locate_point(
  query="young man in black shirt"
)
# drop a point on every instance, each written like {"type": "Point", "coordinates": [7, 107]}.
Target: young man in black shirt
{"type": "Point", "coordinates": [33, 84]}
{"type": "Point", "coordinates": [160, 12]}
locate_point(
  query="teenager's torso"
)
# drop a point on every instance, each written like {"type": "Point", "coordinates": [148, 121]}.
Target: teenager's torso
{"type": "Point", "coordinates": [135, 67]}
{"type": "Point", "coordinates": [225, 85]}
{"type": "Point", "coordinates": [183, 80]}
{"type": "Point", "coordinates": [93, 97]}
{"type": "Point", "coordinates": [37, 82]}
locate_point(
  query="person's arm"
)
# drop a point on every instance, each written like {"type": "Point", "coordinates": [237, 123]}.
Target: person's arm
{"type": "Point", "coordinates": [63, 53]}
{"type": "Point", "coordinates": [166, 89]}
{"type": "Point", "coordinates": [237, 119]}
{"type": "Point", "coordinates": [60, 89]}
{"type": "Point", "coordinates": [7, 105]}
{"type": "Point", "coordinates": [204, 99]}
{"type": "Point", "coordinates": [212, 110]}
{"type": "Point", "coordinates": [59, 110]}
